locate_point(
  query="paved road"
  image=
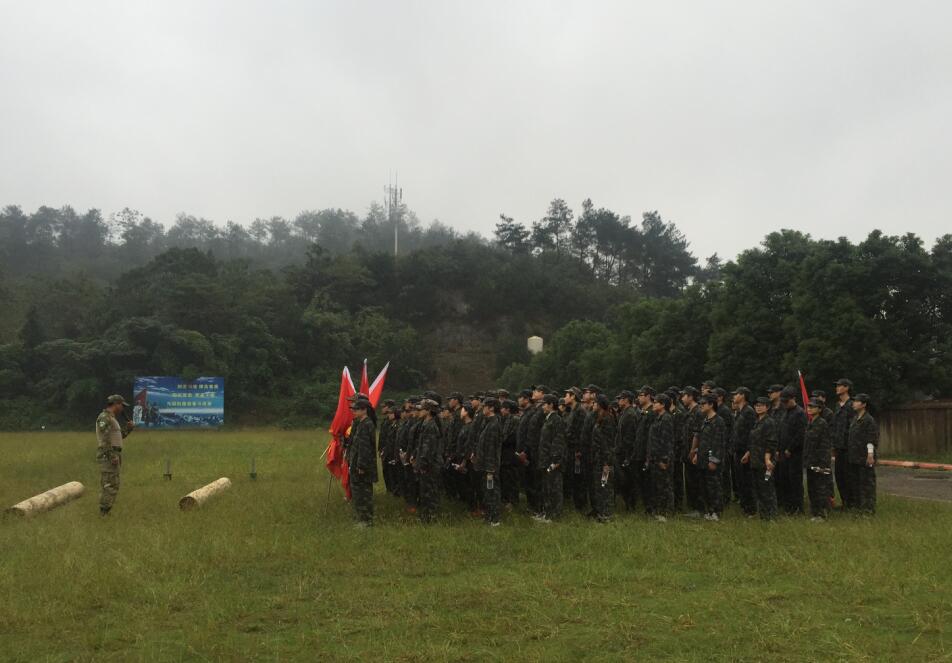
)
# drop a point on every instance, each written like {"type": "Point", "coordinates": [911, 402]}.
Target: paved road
{"type": "Point", "coordinates": [921, 484]}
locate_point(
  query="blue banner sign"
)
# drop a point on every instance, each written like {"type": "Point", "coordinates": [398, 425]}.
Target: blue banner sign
{"type": "Point", "coordinates": [170, 402]}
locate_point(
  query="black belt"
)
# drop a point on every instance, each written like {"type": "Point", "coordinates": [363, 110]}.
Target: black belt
{"type": "Point", "coordinates": [117, 448]}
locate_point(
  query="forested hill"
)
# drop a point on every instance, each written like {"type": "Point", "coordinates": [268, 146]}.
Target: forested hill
{"type": "Point", "coordinates": [277, 308]}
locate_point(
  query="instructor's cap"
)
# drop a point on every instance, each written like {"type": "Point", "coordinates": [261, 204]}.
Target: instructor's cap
{"type": "Point", "coordinates": [116, 398]}
{"type": "Point", "coordinates": [774, 387]}
{"type": "Point", "coordinates": [844, 382]}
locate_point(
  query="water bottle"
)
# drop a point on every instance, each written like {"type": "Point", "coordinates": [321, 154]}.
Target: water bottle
{"type": "Point", "coordinates": [578, 465]}
{"type": "Point", "coordinates": [489, 483]}
{"type": "Point", "coordinates": [767, 475]}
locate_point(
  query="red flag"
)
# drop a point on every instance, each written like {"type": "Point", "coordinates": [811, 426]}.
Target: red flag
{"type": "Point", "coordinates": [376, 388]}
{"type": "Point", "coordinates": [339, 426]}
{"type": "Point", "coordinates": [803, 392]}
{"type": "Point", "coordinates": [364, 383]}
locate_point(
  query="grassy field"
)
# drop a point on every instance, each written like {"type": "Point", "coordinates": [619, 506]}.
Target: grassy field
{"type": "Point", "coordinates": [264, 573]}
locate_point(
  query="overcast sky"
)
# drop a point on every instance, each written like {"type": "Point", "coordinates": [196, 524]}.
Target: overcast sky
{"type": "Point", "coordinates": [730, 118]}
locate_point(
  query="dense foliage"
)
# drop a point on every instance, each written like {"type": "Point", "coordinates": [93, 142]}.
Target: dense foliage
{"type": "Point", "coordinates": [277, 308]}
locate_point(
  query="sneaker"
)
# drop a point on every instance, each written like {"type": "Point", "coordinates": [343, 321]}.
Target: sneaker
{"type": "Point", "coordinates": [362, 525]}
{"type": "Point", "coordinates": [103, 512]}
{"type": "Point", "coordinates": [714, 517]}
{"type": "Point", "coordinates": [661, 519]}
{"type": "Point", "coordinates": [495, 524]}
{"type": "Point", "coordinates": [817, 519]}
{"type": "Point", "coordinates": [546, 521]}
{"type": "Point", "coordinates": [538, 517]}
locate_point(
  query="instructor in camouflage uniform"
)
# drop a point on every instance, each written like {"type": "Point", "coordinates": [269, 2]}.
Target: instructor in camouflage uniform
{"type": "Point", "coordinates": [362, 461]}
{"type": "Point", "coordinates": [110, 435]}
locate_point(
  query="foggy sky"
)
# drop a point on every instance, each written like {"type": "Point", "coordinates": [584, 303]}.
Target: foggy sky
{"type": "Point", "coordinates": [732, 119]}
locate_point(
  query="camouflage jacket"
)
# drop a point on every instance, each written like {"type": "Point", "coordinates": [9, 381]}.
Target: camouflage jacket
{"type": "Point", "coordinates": [863, 431]}
{"type": "Point", "coordinates": [713, 441]}
{"type": "Point", "coordinates": [551, 441]}
{"type": "Point", "coordinates": [361, 453]}
{"type": "Point", "coordinates": [573, 430]}
{"type": "Point", "coordinates": [817, 444]}
{"type": "Point", "coordinates": [661, 439]}
{"type": "Point", "coordinates": [763, 440]}
{"type": "Point", "coordinates": [604, 436]}
{"type": "Point", "coordinates": [109, 434]}
{"type": "Point", "coordinates": [642, 437]}
{"type": "Point", "coordinates": [489, 446]}
{"type": "Point", "coordinates": [792, 428]}
{"type": "Point", "coordinates": [627, 432]}
{"type": "Point", "coordinates": [585, 432]}
{"type": "Point", "coordinates": [509, 429]}
{"type": "Point", "coordinates": [842, 418]}
{"type": "Point", "coordinates": [429, 453]}
{"type": "Point", "coordinates": [740, 433]}
{"type": "Point", "coordinates": [693, 418]}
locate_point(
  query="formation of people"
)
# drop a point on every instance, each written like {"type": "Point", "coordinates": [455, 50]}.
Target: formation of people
{"type": "Point", "coordinates": [681, 451]}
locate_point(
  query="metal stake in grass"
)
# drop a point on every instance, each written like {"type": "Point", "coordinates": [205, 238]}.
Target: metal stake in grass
{"type": "Point", "coordinates": [254, 473]}
{"type": "Point", "coordinates": [168, 469]}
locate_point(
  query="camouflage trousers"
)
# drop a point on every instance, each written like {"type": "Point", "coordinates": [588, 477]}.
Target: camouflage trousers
{"type": "Point", "coordinates": [713, 490]}
{"type": "Point", "coordinates": [819, 490]}
{"type": "Point", "coordinates": [603, 497]}
{"type": "Point", "coordinates": [109, 482]}
{"type": "Point", "coordinates": [362, 497]}
{"type": "Point", "coordinates": [429, 496]}
{"type": "Point", "coordinates": [862, 484]}
{"type": "Point", "coordinates": [581, 482]}
{"type": "Point", "coordinates": [841, 472]}
{"type": "Point", "coordinates": [790, 483]}
{"type": "Point", "coordinates": [743, 485]}
{"type": "Point", "coordinates": [532, 486]}
{"type": "Point", "coordinates": [694, 486]}
{"type": "Point", "coordinates": [491, 498]}
{"type": "Point", "coordinates": [765, 492]}
{"type": "Point", "coordinates": [552, 495]}
{"type": "Point", "coordinates": [677, 484]}
{"type": "Point", "coordinates": [509, 483]}
{"type": "Point", "coordinates": [662, 490]}
{"type": "Point", "coordinates": [410, 487]}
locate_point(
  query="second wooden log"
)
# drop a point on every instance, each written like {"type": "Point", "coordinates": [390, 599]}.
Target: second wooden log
{"type": "Point", "coordinates": [198, 497]}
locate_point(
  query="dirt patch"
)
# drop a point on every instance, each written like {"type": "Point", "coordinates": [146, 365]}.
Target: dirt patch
{"type": "Point", "coordinates": [919, 484]}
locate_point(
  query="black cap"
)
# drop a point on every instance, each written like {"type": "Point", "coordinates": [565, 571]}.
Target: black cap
{"type": "Point", "coordinates": [691, 391]}
{"type": "Point", "coordinates": [601, 400]}
{"type": "Point", "coordinates": [710, 384]}
{"type": "Point", "coordinates": [646, 390]}
{"type": "Point", "coordinates": [358, 396]}
{"type": "Point", "coordinates": [540, 387]}
{"type": "Point", "coordinates": [594, 388]}
{"type": "Point", "coordinates": [389, 402]}
{"type": "Point", "coordinates": [509, 404]}
{"type": "Point", "coordinates": [526, 393]}
{"type": "Point", "coordinates": [862, 398]}
{"type": "Point", "coordinates": [710, 400]}
{"type": "Point", "coordinates": [414, 400]}
{"type": "Point", "coordinates": [457, 395]}
{"type": "Point", "coordinates": [719, 392]}
{"type": "Point", "coordinates": [361, 404]}
{"type": "Point", "coordinates": [551, 399]}
{"type": "Point", "coordinates": [743, 391]}
{"type": "Point", "coordinates": [626, 394]}
{"type": "Point", "coordinates": [814, 403]}
{"type": "Point", "coordinates": [430, 404]}
{"type": "Point", "coordinates": [762, 400]}
{"type": "Point", "coordinates": [491, 401]}
{"type": "Point", "coordinates": [788, 393]}
{"type": "Point", "coordinates": [774, 387]}
{"type": "Point", "coordinates": [502, 393]}
{"type": "Point", "coordinates": [664, 399]}
{"type": "Point", "coordinates": [818, 393]}
{"type": "Point", "coordinates": [673, 388]}
{"type": "Point", "coordinates": [844, 382]}
{"type": "Point", "coordinates": [575, 391]}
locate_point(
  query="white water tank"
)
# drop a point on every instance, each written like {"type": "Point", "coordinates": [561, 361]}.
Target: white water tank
{"type": "Point", "coordinates": [534, 344]}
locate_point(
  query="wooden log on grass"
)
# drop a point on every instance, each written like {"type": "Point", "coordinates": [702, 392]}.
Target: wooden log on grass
{"type": "Point", "coordinates": [199, 497]}
{"type": "Point", "coordinates": [45, 501]}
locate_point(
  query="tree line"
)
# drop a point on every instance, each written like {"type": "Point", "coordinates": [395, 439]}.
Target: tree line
{"type": "Point", "coordinates": [278, 307]}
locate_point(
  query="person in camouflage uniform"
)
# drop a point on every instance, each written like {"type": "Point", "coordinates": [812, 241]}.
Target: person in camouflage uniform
{"type": "Point", "coordinates": [693, 478]}
{"type": "Point", "coordinates": [862, 445]}
{"type": "Point", "coordinates": [463, 451]}
{"type": "Point", "coordinates": [760, 455]}
{"type": "Point", "coordinates": [776, 411]}
{"type": "Point", "coordinates": [744, 420]}
{"type": "Point", "coordinates": [627, 466]}
{"type": "Point", "coordinates": [385, 434]}
{"type": "Point", "coordinates": [509, 476]}
{"type": "Point", "coordinates": [710, 456]}
{"type": "Point", "coordinates": [362, 460]}
{"type": "Point", "coordinates": [487, 459]}
{"type": "Point", "coordinates": [603, 436]}
{"type": "Point", "coordinates": [583, 497]}
{"type": "Point", "coordinates": [790, 461]}
{"type": "Point", "coordinates": [843, 414]}
{"type": "Point", "coordinates": [726, 413]}
{"type": "Point", "coordinates": [660, 453]}
{"type": "Point", "coordinates": [641, 472]}
{"type": "Point", "coordinates": [575, 474]}
{"type": "Point", "coordinates": [428, 460]}
{"type": "Point", "coordinates": [550, 457]}
{"type": "Point", "coordinates": [817, 453]}
{"type": "Point", "coordinates": [411, 483]}
{"type": "Point", "coordinates": [109, 436]}
{"type": "Point", "coordinates": [678, 417]}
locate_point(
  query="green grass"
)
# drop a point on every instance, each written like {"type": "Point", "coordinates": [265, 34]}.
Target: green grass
{"type": "Point", "coordinates": [263, 573]}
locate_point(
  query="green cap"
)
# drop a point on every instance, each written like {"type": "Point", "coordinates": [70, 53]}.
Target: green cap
{"type": "Point", "coordinates": [116, 398]}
